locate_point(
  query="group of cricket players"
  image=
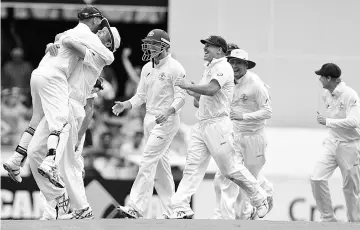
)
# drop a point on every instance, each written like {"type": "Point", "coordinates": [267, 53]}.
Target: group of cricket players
{"type": "Point", "coordinates": [233, 106]}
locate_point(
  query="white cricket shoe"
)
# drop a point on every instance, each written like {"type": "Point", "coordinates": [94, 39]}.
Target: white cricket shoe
{"type": "Point", "coordinates": [128, 212]}
{"type": "Point", "coordinates": [49, 170]}
{"type": "Point", "coordinates": [270, 201]}
{"type": "Point", "coordinates": [12, 165]}
{"type": "Point", "coordinates": [84, 214]}
{"type": "Point", "coordinates": [262, 209]}
{"type": "Point", "coordinates": [182, 215]}
{"type": "Point", "coordinates": [253, 214]}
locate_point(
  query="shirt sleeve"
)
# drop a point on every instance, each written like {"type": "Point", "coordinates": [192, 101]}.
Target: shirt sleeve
{"type": "Point", "coordinates": [140, 97]}
{"type": "Point", "coordinates": [352, 117]}
{"type": "Point", "coordinates": [179, 93]}
{"type": "Point", "coordinates": [220, 75]}
{"type": "Point", "coordinates": [264, 103]}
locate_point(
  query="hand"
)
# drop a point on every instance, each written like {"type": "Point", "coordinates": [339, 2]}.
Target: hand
{"type": "Point", "coordinates": [182, 83]}
{"type": "Point", "coordinates": [191, 93]}
{"type": "Point", "coordinates": [162, 117]}
{"type": "Point", "coordinates": [118, 108]}
{"type": "Point", "coordinates": [236, 116]}
{"type": "Point", "coordinates": [53, 49]}
{"type": "Point", "coordinates": [321, 119]}
{"type": "Point", "coordinates": [78, 147]}
{"type": "Point", "coordinates": [126, 52]}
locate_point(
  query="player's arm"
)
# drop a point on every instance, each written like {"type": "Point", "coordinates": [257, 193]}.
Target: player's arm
{"type": "Point", "coordinates": [89, 112]}
{"type": "Point", "coordinates": [218, 79]}
{"type": "Point", "coordinates": [79, 49]}
{"type": "Point", "coordinates": [352, 119]}
{"type": "Point", "coordinates": [196, 102]}
{"type": "Point", "coordinates": [206, 89]}
{"type": "Point", "coordinates": [264, 103]}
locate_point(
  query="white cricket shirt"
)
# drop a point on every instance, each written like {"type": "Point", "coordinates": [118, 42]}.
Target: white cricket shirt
{"type": "Point", "coordinates": [342, 113]}
{"type": "Point", "coordinates": [219, 104]}
{"type": "Point", "coordinates": [156, 87]}
{"type": "Point", "coordinates": [251, 98]}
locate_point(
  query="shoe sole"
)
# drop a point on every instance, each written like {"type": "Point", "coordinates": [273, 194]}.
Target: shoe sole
{"type": "Point", "coordinates": [10, 172]}
{"type": "Point", "coordinates": [125, 215]}
{"type": "Point", "coordinates": [187, 217]}
{"type": "Point", "coordinates": [54, 182]}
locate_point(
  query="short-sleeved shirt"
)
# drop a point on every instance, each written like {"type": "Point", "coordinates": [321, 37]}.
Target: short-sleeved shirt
{"type": "Point", "coordinates": [219, 104]}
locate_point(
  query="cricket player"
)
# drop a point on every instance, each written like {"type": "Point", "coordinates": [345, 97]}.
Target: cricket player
{"type": "Point", "coordinates": [212, 135]}
{"type": "Point", "coordinates": [250, 109]}
{"type": "Point", "coordinates": [50, 213]}
{"type": "Point", "coordinates": [341, 147]}
{"type": "Point", "coordinates": [81, 83]}
{"type": "Point", "coordinates": [163, 101]}
{"type": "Point", "coordinates": [50, 95]}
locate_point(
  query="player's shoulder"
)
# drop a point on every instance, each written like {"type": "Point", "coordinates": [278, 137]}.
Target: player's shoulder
{"type": "Point", "coordinates": [175, 65]}
{"type": "Point", "coordinates": [351, 93]}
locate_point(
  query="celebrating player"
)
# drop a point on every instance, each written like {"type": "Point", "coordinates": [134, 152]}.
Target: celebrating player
{"type": "Point", "coordinates": [212, 135]}
{"type": "Point", "coordinates": [163, 101]}
{"type": "Point", "coordinates": [341, 147]}
{"type": "Point", "coordinates": [250, 108]}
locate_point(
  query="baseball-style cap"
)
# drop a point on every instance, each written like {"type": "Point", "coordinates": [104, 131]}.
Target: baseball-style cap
{"type": "Point", "coordinates": [329, 70]}
{"type": "Point", "coordinates": [89, 12]}
{"type": "Point", "coordinates": [215, 41]}
{"type": "Point", "coordinates": [242, 55]}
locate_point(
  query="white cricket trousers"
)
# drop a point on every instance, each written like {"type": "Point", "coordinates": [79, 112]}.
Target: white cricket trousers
{"type": "Point", "coordinates": [50, 97]}
{"type": "Point", "coordinates": [69, 163]}
{"type": "Point", "coordinates": [214, 138]}
{"type": "Point", "coordinates": [231, 201]}
{"type": "Point", "coordinates": [346, 156]}
{"type": "Point", "coordinates": [155, 169]}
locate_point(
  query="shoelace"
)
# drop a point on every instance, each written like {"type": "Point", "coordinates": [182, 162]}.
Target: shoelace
{"type": "Point", "coordinates": [180, 213]}
{"type": "Point", "coordinates": [133, 212]}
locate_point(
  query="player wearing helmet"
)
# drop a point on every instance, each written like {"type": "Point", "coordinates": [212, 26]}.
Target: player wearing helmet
{"type": "Point", "coordinates": [163, 101]}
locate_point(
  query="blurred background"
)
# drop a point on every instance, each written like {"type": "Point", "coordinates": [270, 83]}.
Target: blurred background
{"type": "Point", "coordinates": [288, 40]}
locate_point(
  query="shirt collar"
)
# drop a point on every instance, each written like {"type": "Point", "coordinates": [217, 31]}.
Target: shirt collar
{"type": "Point", "coordinates": [340, 88]}
{"type": "Point", "coordinates": [214, 61]}
{"type": "Point", "coordinates": [163, 61]}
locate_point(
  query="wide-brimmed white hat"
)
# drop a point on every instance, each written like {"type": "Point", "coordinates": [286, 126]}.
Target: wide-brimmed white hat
{"type": "Point", "coordinates": [242, 55]}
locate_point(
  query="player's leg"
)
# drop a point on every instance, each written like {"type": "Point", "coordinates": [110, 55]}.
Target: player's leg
{"type": "Point", "coordinates": [218, 136]}
{"type": "Point", "coordinates": [164, 184]}
{"type": "Point", "coordinates": [197, 161]}
{"type": "Point", "coordinates": [229, 192]}
{"type": "Point", "coordinates": [36, 153]}
{"type": "Point", "coordinates": [17, 160]}
{"type": "Point", "coordinates": [156, 146]}
{"type": "Point", "coordinates": [55, 102]}
{"type": "Point", "coordinates": [348, 159]}
{"type": "Point", "coordinates": [253, 147]}
{"type": "Point", "coordinates": [71, 168]}
{"type": "Point", "coordinates": [217, 189]}
{"type": "Point", "coordinates": [324, 168]}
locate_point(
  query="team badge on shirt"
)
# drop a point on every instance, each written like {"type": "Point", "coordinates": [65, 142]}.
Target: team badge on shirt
{"type": "Point", "coordinates": [162, 76]}
{"type": "Point", "coordinates": [243, 97]}
{"type": "Point", "coordinates": [341, 105]}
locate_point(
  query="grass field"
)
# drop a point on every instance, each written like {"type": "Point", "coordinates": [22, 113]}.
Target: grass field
{"type": "Point", "coordinates": [117, 224]}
